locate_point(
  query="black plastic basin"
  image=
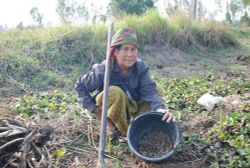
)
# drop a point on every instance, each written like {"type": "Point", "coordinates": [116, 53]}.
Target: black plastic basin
{"type": "Point", "coordinates": [152, 122]}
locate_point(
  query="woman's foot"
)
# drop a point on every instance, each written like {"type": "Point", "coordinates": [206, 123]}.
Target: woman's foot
{"type": "Point", "coordinates": [114, 136]}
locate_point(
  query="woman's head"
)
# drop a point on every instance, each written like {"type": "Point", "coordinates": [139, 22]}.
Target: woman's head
{"type": "Point", "coordinates": [126, 56]}
{"type": "Point", "coordinates": [123, 47]}
{"type": "Point", "coordinates": [122, 36]}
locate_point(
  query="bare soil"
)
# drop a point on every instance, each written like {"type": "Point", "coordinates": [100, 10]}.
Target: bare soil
{"type": "Point", "coordinates": [171, 62]}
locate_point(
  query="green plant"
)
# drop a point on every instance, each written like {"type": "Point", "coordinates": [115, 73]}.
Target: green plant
{"type": "Point", "coordinates": [58, 154]}
{"type": "Point", "coordinates": [46, 104]}
{"type": "Point", "coordinates": [232, 132]}
{"type": "Point", "coordinates": [181, 94]}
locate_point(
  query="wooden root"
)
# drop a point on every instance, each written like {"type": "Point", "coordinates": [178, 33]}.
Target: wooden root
{"type": "Point", "coordinates": [23, 145]}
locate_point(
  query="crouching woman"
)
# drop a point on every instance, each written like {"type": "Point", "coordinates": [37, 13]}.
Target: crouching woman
{"type": "Point", "coordinates": [131, 91]}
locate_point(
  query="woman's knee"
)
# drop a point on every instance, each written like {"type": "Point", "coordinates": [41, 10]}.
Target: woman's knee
{"type": "Point", "coordinates": [116, 93]}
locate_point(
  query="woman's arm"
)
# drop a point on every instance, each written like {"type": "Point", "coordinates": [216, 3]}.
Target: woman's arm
{"type": "Point", "coordinates": [149, 93]}
{"type": "Point", "coordinates": [88, 83]}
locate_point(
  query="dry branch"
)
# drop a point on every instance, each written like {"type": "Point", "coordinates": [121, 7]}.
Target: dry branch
{"type": "Point", "coordinates": [26, 144]}
{"type": "Point", "coordinates": [22, 144]}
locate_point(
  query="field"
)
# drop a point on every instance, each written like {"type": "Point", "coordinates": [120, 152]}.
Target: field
{"type": "Point", "coordinates": [39, 105]}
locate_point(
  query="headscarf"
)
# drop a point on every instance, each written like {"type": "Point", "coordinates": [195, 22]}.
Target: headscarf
{"type": "Point", "coordinates": [122, 36]}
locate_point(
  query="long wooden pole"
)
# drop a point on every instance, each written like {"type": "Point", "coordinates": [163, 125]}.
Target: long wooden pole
{"type": "Point", "coordinates": [101, 163]}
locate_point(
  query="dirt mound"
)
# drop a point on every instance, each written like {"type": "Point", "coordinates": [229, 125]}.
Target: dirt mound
{"type": "Point", "coordinates": [233, 103]}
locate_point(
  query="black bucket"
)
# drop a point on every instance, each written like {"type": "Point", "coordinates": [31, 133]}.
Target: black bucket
{"type": "Point", "coordinates": [149, 123]}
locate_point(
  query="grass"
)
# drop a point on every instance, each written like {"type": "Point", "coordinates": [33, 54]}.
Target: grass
{"type": "Point", "coordinates": [148, 27]}
{"type": "Point", "coordinates": [55, 57]}
{"type": "Point", "coordinates": [43, 59]}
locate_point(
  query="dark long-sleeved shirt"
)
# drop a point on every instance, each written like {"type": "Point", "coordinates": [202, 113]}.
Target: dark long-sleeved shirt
{"type": "Point", "coordinates": [137, 84]}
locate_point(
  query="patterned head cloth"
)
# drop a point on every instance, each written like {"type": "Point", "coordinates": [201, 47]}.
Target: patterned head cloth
{"type": "Point", "coordinates": [122, 36]}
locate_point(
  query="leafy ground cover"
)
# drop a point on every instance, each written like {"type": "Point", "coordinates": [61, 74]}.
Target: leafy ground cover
{"type": "Point", "coordinates": [32, 67]}
{"type": "Point", "coordinates": [219, 138]}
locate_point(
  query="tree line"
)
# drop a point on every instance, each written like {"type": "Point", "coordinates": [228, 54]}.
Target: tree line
{"type": "Point", "coordinates": [73, 11]}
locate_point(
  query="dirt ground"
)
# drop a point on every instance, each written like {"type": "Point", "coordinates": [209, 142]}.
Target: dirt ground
{"type": "Point", "coordinates": [188, 155]}
{"type": "Point", "coordinates": [191, 155]}
{"type": "Point", "coordinates": [170, 63]}
{"type": "Point", "coordinates": [175, 63]}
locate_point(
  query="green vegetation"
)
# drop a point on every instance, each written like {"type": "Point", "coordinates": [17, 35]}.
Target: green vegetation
{"type": "Point", "coordinates": [39, 60]}
{"type": "Point", "coordinates": [54, 57]}
{"type": "Point", "coordinates": [123, 7]}
{"type": "Point", "coordinates": [232, 132]}
{"type": "Point", "coordinates": [47, 104]}
{"type": "Point", "coordinates": [180, 95]}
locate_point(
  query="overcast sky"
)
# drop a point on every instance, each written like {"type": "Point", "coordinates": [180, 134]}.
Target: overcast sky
{"type": "Point", "coordinates": [12, 12]}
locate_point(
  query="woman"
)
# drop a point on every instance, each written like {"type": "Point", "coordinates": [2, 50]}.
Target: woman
{"type": "Point", "coordinates": [131, 91]}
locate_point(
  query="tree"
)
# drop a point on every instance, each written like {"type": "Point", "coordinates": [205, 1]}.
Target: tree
{"type": "Point", "coordinates": [235, 7]}
{"type": "Point", "coordinates": [193, 8]}
{"type": "Point", "coordinates": [118, 8]}
{"type": "Point", "coordinates": [228, 15]}
{"type": "Point", "coordinates": [82, 12]}
{"type": "Point", "coordinates": [70, 11]}
{"type": "Point", "coordinates": [174, 5]}
{"type": "Point", "coordinates": [36, 16]}
{"type": "Point", "coordinates": [20, 26]}
{"type": "Point", "coordinates": [169, 9]}
{"type": "Point", "coordinates": [64, 11]}
{"type": "Point", "coordinates": [237, 10]}
{"type": "Point", "coordinates": [103, 18]}
{"type": "Point", "coordinates": [201, 10]}
{"type": "Point", "coordinates": [182, 4]}
{"type": "Point", "coordinates": [245, 20]}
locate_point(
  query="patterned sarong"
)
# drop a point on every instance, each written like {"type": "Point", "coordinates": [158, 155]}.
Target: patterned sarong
{"type": "Point", "coordinates": [121, 108]}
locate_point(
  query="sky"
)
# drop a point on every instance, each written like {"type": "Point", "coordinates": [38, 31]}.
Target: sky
{"type": "Point", "coordinates": [12, 12]}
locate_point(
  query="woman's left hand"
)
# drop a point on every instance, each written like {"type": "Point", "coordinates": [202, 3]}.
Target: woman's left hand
{"type": "Point", "coordinates": [168, 117]}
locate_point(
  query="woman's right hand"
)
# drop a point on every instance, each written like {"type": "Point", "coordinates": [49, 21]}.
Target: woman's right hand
{"type": "Point", "coordinates": [168, 117]}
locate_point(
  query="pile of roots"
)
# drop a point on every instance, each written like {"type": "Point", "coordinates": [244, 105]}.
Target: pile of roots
{"type": "Point", "coordinates": [22, 144]}
{"type": "Point", "coordinates": [26, 144]}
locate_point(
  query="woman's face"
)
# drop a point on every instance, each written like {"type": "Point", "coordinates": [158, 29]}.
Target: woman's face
{"type": "Point", "coordinates": [126, 56]}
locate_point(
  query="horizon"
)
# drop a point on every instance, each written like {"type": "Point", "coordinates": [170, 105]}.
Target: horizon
{"type": "Point", "coordinates": [11, 15]}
